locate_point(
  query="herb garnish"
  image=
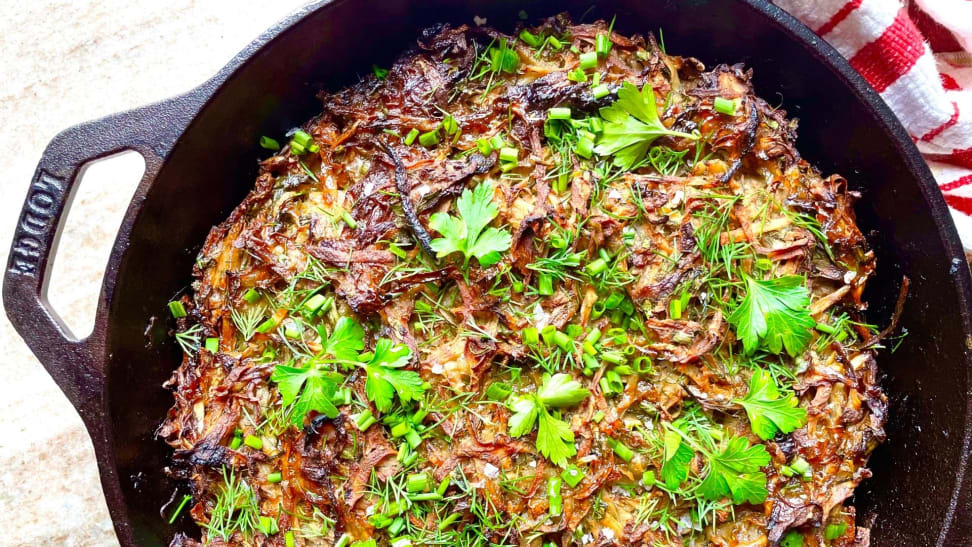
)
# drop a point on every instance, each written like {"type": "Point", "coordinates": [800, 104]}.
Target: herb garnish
{"type": "Point", "coordinates": [630, 126]}
{"type": "Point", "coordinates": [768, 412]}
{"type": "Point", "coordinates": [774, 314]}
{"type": "Point", "coordinates": [465, 233]}
{"type": "Point", "coordinates": [554, 436]}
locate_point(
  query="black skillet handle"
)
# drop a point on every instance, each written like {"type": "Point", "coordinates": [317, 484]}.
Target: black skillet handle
{"type": "Point", "coordinates": [151, 131]}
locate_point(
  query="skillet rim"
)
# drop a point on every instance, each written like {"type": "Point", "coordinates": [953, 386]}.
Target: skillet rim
{"type": "Point", "coordinates": [190, 105]}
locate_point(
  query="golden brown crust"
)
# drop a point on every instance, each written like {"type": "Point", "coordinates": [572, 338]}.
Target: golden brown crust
{"type": "Point", "coordinates": [287, 240]}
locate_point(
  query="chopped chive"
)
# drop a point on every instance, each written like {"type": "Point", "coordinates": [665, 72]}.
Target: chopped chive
{"type": "Point", "coordinates": [429, 139]}
{"type": "Point", "coordinates": [547, 334]}
{"type": "Point", "coordinates": [530, 336]}
{"type": "Point", "coordinates": [274, 477]}
{"type": "Point", "coordinates": [600, 91]}
{"type": "Point", "coordinates": [349, 220]}
{"type": "Point", "coordinates": [364, 420]}
{"type": "Point", "coordinates": [413, 438]}
{"type": "Point", "coordinates": [411, 136]}
{"type": "Point", "coordinates": [267, 325]}
{"type": "Point", "coordinates": [642, 364]}
{"type": "Point", "coordinates": [177, 309]}
{"type": "Point", "coordinates": [620, 449]}
{"type": "Point", "coordinates": [344, 540]}
{"type": "Point", "coordinates": [251, 295]}
{"type": "Point", "coordinates": [450, 125]}
{"type": "Point", "coordinates": [554, 43]}
{"type": "Point", "coordinates": [648, 479]}
{"type": "Point", "coordinates": [417, 482]}
{"type": "Point", "coordinates": [590, 363]}
{"type": "Point", "coordinates": [613, 357]}
{"type": "Point", "coordinates": [577, 75]}
{"type": "Point", "coordinates": [253, 442]}
{"type": "Point", "coordinates": [302, 138]}
{"type": "Point", "coordinates": [545, 284]}
{"type": "Point", "coordinates": [596, 267]}
{"type": "Point", "coordinates": [598, 416]}
{"type": "Point", "coordinates": [313, 148]}
{"type": "Point", "coordinates": [314, 303]}
{"type": "Point", "coordinates": [613, 301]}
{"type": "Point", "coordinates": [509, 155]}
{"type": "Point", "coordinates": [289, 539]}
{"type": "Point", "coordinates": [236, 442]}
{"type": "Point", "coordinates": [593, 336]}
{"type": "Point", "coordinates": [724, 106]}
{"type": "Point", "coordinates": [602, 45]}
{"type": "Point", "coordinates": [588, 60]}
{"type": "Point", "coordinates": [292, 330]}
{"type": "Point", "coordinates": [443, 486]}
{"type": "Point", "coordinates": [297, 149]}
{"type": "Point", "coordinates": [572, 475]}
{"type": "Point", "coordinates": [574, 330]}
{"type": "Point", "coordinates": [185, 500]}
{"type": "Point", "coordinates": [212, 345]}
{"type": "Point", "coordinates": [554, 496]}
{"type": "Point", "coordinates": [497, 142]}
{"type": "Point", "coordinates": [825, 328]}
{"type": "Point", "coordinates": [498, 391]}
{"type": "Point", "coordinates": [484, 146]}
{"type": "Point", "coordinates": [269, 144]}
{"type": "Point", "coordinates": [517, 286]}
{"type": "Point", "coordinates": [530, 38]}
{"type": "Point", "coordinates": [268, 526]}
{"type": "Point", "coordinates": [400, 429]}
{"type": "Point", "coordinates": [675, 309]}
{"type": "Point", "coordinates": [380, 73]}
{"type": "Point", "coordinates": [560, 113]}
{"type": "Point", "coordinates": [589, 348]}
{"type": "Point", "coordinates": [396, 526]}
{"type": "Point", "coordinates": [562, 340]}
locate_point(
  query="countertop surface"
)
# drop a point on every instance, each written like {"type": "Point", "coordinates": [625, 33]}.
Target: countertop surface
{"type": "Point", "coordinates": [62, 63]}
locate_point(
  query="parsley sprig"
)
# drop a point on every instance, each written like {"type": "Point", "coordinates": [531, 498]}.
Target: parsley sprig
{"type": "Point", "coordinates": [630, 126]}
{"type": "Point", "coordinates": [315, 386]}
{"type": "Point", "coordinates": [733, 469]}
{"type": "Point", "coordinates": [768, 411]}
{"type": "Point", "coordinates": [774, 314]}
{"type": "Point", "coordinates": [465, 234]}
{"type": "Point", "coordinates": [555, 440]}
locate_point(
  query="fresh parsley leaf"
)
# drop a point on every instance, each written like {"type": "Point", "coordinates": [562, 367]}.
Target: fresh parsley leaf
{"type": "Point", "coordinates": [385, 378]}
{"type": "Point", "coordinates": [345, 341]}
{"type": "Point", "coordinates": [631, 125]}
{"type": "Point", "coordinates": [318, 389]}
{"type": "Point", "coordinates": [560, 390]}
{"type": "Point", "coordinates": [555, 440]}
{"type": "Point", "coordinates": [735, 472]}
{"type": "Point", "coordinates": [465, 233]}
{"type": "Point", "coordinates": [524, 416]}
{"type": "Point", "coordinates": [768, 412]}
{"type": "Point", "coordinates": [774, 314]}
{"type": "Point", "coordinates": [678, 457]}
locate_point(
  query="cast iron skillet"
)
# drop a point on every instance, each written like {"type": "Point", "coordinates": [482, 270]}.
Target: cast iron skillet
{"type": "Point", "coordinates": [200, 152]}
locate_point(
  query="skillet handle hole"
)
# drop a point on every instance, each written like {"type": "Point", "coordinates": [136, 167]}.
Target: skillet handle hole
{"type": "Point", "coordinates": [104, 189]}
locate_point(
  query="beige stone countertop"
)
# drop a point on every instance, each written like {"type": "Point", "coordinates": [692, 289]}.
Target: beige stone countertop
{"type": "Point", "coordinates": [62, 63]}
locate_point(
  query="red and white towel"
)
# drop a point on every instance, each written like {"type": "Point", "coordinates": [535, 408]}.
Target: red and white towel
{"type": "Point", "coordinates": [918, 56]}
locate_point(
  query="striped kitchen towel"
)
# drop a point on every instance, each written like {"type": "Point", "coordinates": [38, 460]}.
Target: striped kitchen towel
{"type": "Point", "coordinates": [918, 56]}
